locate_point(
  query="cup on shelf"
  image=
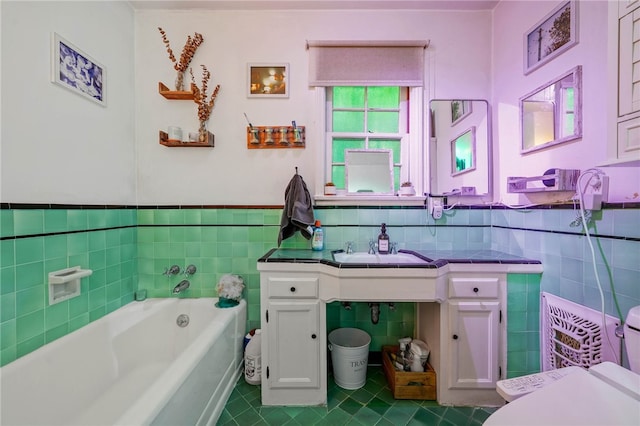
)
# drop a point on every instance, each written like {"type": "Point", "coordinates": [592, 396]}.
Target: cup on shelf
{"type": "Point", "coordinates": [175, 133]}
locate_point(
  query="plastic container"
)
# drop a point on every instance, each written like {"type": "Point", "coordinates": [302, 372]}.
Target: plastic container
{"type": "Point", "coordinates": [317, 241]}
{"type": "Point", "coordinates": [253, 359]}
{"type": "Point", "coordinates": [350, 355]}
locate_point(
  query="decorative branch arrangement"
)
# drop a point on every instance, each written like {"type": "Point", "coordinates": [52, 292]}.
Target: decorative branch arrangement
{"type": "Point", "coordinates": [205, 103]}
{"type": "Point", "coordinates": [186, 56]}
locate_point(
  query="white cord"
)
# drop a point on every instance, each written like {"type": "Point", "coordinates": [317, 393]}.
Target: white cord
{"type": "Point", "coordinates": [585, 225]}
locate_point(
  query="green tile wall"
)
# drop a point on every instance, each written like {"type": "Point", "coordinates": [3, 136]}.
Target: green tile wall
{"type": "Point", "coordinates": [38, 241]}
{"type": "Point", "coordinates": [218, 241]}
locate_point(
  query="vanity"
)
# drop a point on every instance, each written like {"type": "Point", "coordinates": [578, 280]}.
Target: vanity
{"type": "Point", "coordinates": [461, 313]}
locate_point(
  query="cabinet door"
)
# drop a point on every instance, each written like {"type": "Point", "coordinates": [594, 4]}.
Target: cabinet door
{"type": "Point", "coordinates": [294, 344]}
{"type": "Point", "coordinates": [474, 328]}
{"type": "Point", "coordinates": [629, 63]}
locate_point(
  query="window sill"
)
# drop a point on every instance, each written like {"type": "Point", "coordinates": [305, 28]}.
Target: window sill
{"type": "Point", "coordinates": [369, 200]}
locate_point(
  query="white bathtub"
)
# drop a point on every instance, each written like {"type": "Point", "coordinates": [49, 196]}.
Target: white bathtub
{"type": "Point", "coordinates": [135, 366]}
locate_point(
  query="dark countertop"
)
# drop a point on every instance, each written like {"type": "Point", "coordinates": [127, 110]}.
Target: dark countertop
{"type": "Point", "coordinates": [437, 258]}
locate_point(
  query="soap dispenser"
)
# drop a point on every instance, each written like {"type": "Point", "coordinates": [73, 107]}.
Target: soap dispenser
{"type": "Point", "coordinates": [383, 240]}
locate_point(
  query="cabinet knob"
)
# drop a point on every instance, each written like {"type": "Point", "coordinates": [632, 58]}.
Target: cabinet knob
{"type": "Point", "coordinates": [476, 289]}
{"type": "Point", "coordinates": [293, 289]}
{"type": "Point", "coordinates": [313, 336]}
{"type": "Point", "coordinates": [455, 337]}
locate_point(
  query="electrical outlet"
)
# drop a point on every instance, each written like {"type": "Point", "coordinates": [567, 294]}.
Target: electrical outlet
{"type": "Point", "coordinates": [596, 192]}
{"type": "Point", "coordinates": [435, 207]}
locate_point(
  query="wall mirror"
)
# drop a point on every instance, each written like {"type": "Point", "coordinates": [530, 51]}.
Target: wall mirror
{"type": "Point", "coordinates": [460, 147]}
{"type": "Point", "coordinates": [552, 114]}
{"type": "Point", "coordinates": [369, 172]}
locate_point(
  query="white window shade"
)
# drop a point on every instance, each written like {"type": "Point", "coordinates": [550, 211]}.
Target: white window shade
{"type": "Point", "coordinates": [366, 63]}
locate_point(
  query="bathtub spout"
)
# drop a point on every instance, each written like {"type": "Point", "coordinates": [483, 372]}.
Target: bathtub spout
{"type": "Point", "coordinates": [182, 286]}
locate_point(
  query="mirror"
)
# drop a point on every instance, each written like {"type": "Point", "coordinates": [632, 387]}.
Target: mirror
{"type": "Point", "coordinates": [369, 171]}
{"type": "Point", "coordinates": [552, 114]}
{"type": "Point", "coordinates": [460, 147]}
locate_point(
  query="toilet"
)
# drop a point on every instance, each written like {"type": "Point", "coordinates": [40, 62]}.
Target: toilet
{"type": "Point", "coordinates": [606, 394]}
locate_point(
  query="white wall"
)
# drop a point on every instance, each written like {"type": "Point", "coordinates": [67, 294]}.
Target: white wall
{"type": "Point", "coordinates": [56, 146]}
{"type": "Point", "coordinates": [511, 20]}
{"type": "Point", "coordinates": [458, 64]}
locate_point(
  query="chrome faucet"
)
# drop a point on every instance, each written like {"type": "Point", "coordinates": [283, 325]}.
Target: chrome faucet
{"type": "Point", "coordinates": [349, 246]}
{"type": "Point", "coordinates": [190, 270]}
{"type": "Point", "coordinates": [182, 286]}
{"type": "Point", "coordinates": [174, 270]}
{"type": "Point", "coordinates": [372, 247]}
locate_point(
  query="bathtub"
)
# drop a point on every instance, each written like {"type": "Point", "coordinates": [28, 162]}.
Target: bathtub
{"type": "Point", "coordinates": [134, 366]}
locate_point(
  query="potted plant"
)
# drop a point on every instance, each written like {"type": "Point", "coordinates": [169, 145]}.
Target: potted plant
{"type": "Point", "coordinates": [330, 188]}
{"type": "Point", "coordinates": [406, 188]}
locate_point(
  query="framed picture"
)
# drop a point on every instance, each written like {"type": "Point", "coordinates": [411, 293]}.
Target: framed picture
{"type": "Point", "coordinates": [74, 70]}
{"type": "Point", "coordinates": [268, 80]}
{"type": "Point", "coordinates": [554, 34]}
{"type": "Point", "coordinates": [459, 111]}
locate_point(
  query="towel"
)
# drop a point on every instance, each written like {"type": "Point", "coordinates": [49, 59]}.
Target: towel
{"type": "Point", "coordinates": [297, 214]}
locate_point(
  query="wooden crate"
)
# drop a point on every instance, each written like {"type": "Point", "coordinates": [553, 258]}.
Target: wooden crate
{"type": "Point", "coordinates": [405, 385]}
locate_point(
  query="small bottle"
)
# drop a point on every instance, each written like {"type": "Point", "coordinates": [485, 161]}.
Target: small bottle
{"type": "Point", "coordinates": [317, 241]}
{"type": "Point", "coordinates": [383, 240]}
{"type": "Point", "coordinates": [253, 359]}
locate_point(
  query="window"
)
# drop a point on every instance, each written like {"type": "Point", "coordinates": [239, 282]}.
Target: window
{"type": "Point", "coordinates": [367, 118]}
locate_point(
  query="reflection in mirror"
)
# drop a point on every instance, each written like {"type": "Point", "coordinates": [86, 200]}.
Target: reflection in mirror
{"type": "Point", "coordinates": [463, 152]}
{"type": "Point", "coordinates": [369, 171]}
{"type": "Point", "coordinates": [552, 114]}
{"type": "Point", "coordinates": [460, 132]}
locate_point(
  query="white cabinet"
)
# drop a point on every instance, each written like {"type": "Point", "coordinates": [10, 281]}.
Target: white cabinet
{"type": "Point", "coordinates": [472, 340]}
{"type": "Point", "coordinates": [625, 31]}
{"type": "Point", "coordinates": [293, 343]}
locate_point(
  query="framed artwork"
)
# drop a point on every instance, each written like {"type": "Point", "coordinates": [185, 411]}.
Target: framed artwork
{"type": "Point", "coordinates": [76, 71]}
{"type": "Point", "coordinates": [459, 111]}
{"type": "Point", "coordinates": [554, 34]}
{"type": "Point", "coordinates": [268, 80]}
{"type": "Point", "coordinates": [463, 152]}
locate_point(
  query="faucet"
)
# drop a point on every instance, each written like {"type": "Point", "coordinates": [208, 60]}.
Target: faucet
{"type": "Point", "coordinates": [182, 286]}
{"type": "Point", "coordinates": [372, 247]}
{"type": "Point", "coordinates": [375, 312]}
{"type": "Point", "coordinates": [190, 270]}
{"type": "Point", "coordinates": [174, 270]}
{"type": "Point", "coordinates": [349, 245]}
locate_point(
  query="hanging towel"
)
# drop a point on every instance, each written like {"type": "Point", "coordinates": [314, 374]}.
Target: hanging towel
{"type": "Point", "coordinates": [297, 214]}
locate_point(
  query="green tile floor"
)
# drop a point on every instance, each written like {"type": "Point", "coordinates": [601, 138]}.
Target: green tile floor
{"type": "Point", "coordinates": [370, 405]}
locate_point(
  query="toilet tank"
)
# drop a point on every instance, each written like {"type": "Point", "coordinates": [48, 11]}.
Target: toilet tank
{"type": "Point", "coordinates": [632, 338]}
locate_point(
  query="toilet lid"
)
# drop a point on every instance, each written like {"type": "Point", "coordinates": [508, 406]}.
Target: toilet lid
{"type": "Point", "coordinates": [579, 399]}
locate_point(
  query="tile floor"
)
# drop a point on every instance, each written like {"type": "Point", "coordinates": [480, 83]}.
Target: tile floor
{"type": "Point", "coordinates": [370, 405]}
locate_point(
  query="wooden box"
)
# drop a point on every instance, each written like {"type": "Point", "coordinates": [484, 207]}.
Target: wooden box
{"type": "Point", "coordinates": [406, 385]}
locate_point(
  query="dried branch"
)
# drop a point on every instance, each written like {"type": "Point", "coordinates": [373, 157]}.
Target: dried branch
{"type": "Point", "coordinates": [188, 50]}
{"type": "Point", "coordinates": [205, 104]}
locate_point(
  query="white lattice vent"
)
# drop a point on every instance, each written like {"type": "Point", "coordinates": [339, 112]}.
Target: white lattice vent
{"type": "Point", "coordinates": [572, 334]}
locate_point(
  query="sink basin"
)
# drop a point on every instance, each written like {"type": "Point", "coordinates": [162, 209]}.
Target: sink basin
{"type": "Point", "coordinates": [366, 258]}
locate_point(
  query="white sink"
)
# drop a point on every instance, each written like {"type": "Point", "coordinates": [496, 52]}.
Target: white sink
{"type": "Point", "coordinates": [367, 258]}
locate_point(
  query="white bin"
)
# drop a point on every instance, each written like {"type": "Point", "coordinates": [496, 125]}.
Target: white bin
{"type": "Point", "coordinates": [349, 354]}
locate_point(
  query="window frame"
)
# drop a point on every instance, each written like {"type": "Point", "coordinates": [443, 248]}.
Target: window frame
{"type": "Point", "coordinates": [413, 157]}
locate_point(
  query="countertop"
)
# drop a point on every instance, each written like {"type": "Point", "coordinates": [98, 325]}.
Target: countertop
{"type": "Point", "coordinates": [438, 258]}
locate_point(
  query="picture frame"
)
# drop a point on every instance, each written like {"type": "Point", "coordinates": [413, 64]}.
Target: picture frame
{"type": "Point", "coordinates": [268, 80]}
{"type": "Point", "coordinates": [551, 36]}
{"type": "Point", "coordinates": [463, 152]}
{"type": "Point", "coordinates": [76, 71]}
{"type": "Point", "coordinates": [460, 109]}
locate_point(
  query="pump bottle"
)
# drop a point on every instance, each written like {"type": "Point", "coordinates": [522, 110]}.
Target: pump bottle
{"type": "Point", "coordinates": [383, 240]}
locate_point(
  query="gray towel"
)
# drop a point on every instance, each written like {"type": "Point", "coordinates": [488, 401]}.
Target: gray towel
{"type": "Point", "coordinates": [297, 214]}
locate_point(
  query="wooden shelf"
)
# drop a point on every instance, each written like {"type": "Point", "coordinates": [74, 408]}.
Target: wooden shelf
{"type": "Point", "coordinates": [172, 143]}
{"type": "Point", "coordinates": [177, 94]}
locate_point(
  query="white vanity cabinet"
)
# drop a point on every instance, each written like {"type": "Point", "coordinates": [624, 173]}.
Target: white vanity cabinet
{"type": "Point", "coordinates": [624, 31]}
{"type": "Point", "coordinates": [293, 342]}
{"type": "Point", "coordinates": [472, 337]}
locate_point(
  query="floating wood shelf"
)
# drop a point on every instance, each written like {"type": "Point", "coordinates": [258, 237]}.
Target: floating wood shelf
{"type": "Point", "coordinates": [177, 94]}
{"type": "Point", "coordinates": [274, 137]}
{"type": "Point", "coordinates": [173, 143]}
{"type": "Point", "coordinates": [553, 180]}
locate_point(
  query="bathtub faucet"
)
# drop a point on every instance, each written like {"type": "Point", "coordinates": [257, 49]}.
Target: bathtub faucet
{"type": "Point", "coordinates": [182, 286]}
